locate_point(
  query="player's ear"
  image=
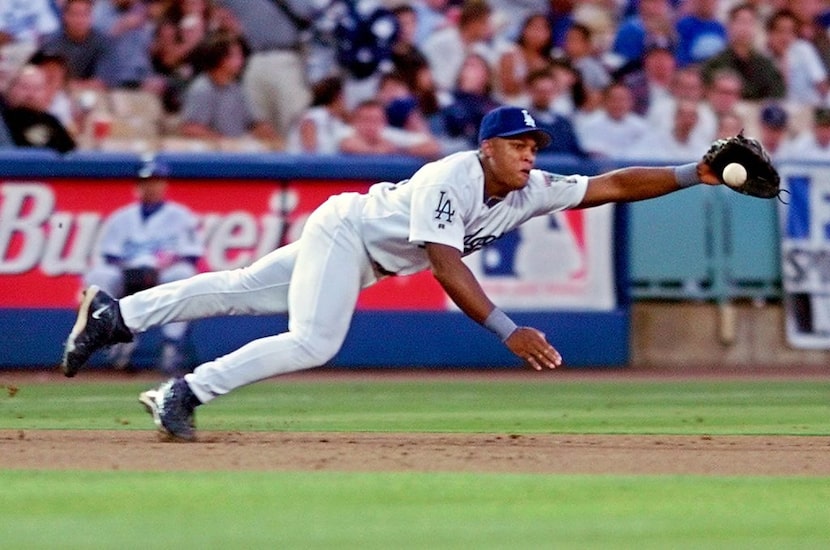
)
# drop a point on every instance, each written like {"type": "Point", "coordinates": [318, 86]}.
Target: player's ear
{"type": "Point", "coordinates": [486, 148]}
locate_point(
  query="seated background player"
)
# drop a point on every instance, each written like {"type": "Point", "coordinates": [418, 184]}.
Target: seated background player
{"type": "Point", "coordinates": [150, 241]}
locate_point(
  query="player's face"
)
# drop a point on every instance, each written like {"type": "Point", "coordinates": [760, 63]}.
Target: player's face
{"type": "Point", "coordinates": [507, 163]}
{"type": "Point", "coordinates": [152, 190]}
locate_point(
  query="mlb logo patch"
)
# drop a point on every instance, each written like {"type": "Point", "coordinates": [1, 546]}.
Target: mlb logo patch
{"type": "Point", "coordinates": [551, 247]}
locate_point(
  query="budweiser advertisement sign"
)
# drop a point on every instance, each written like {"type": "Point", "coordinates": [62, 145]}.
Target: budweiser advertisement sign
{"type": "Point", "coordinates": [49, 233]}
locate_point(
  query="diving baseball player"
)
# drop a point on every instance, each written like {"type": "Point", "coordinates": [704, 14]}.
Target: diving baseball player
{"type": "Point", "coordinates": [447, 209]}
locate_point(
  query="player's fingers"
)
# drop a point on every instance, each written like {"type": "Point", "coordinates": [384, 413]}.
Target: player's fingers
{"type": "Point", "coordinates": [549, 358]}
{"type": "Point", "coordinates": [533, 362]}
{"type": "Point", "coordinates": [553, 359]}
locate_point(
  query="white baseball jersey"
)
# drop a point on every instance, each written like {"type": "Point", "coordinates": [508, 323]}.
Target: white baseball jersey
{"type": "Point", "coordinates": [139, 241]}
{"type": "Point", "coordinates": [443, 203]}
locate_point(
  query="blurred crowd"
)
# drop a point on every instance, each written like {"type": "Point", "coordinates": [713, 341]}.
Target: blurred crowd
{"type": "Point", "coordinates": [627, 79]}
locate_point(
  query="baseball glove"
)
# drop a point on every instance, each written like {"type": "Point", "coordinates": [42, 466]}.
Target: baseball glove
{"type": "Point", "coordinates": [762, 179]}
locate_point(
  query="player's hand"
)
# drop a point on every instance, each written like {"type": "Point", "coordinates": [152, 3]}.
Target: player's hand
{"type": "Point", "coordinates": [706, 174]}
{"type": "Point", "coordinates": [530, 345]}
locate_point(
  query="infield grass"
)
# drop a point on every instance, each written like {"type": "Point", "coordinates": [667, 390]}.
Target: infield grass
{"type": "Point", "coordinates": [80, 509]}
{"type": "Point", "coordinates": [739, 407]}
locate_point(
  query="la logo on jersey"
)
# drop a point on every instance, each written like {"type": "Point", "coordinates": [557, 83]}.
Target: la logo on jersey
{"type": "Point", "coordinates": [444, 211]}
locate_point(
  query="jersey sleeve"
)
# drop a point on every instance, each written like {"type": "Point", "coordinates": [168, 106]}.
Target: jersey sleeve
{"type": "Point", "coordinates": [557, 192]}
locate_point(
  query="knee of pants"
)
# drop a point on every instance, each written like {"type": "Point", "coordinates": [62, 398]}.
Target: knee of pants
{"type": "Point", "coordinates": [319, 350]}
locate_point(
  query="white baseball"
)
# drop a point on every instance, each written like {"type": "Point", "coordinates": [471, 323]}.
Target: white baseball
{"type": "Point", "coordinates": [734, 174]}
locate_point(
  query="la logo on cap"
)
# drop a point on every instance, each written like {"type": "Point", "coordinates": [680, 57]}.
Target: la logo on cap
{"type": "Point", "coordinates": [509, 122]}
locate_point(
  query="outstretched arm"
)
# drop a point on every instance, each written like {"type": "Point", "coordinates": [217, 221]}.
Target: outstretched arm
{"type": "Point", "coordinates": [639, 183]}
{"type": "Point", "coordinates": [464, 290]}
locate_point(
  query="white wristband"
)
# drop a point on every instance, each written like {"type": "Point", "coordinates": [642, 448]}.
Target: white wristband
{"type": "Point", "coordinates": [499, 323]}
{"type": "Point", "coordinates": [686, 175]}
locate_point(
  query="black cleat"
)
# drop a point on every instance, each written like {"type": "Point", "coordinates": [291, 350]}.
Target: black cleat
{"type": "Point", "coordinates": [148, 399]}
{"type": "Point", "coordinates": [172, 406]}
{"type": "Point", "coordinates": [99, 324]}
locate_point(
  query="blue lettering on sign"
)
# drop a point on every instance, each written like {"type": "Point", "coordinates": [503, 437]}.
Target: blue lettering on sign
{"type": "Point", "coordinates": [798, 213]}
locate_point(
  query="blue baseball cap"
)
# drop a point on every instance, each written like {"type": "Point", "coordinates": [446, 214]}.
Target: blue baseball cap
{"type": "Point", "coordinates": [512, 121]}
{"type": "Point", "coordinates": [153, 168]}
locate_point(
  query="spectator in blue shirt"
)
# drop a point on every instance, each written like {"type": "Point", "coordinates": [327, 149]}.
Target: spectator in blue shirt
{"type": "Point", "coordinates": [700, 34]}
{"type": "Point", "coordinates": [653, 25]}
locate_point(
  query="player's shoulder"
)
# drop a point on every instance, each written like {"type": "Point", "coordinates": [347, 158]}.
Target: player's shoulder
{"type": "Point", "coordinates": [454, 167]}
{"type": "Point", "coordinates": [177, 208]}
{"type": "Point", "coordinates": [128, 210]}
{"type": "Point", "coordinates": [462, 160]}
{"type": "Point", "coordinates": [179, 214]}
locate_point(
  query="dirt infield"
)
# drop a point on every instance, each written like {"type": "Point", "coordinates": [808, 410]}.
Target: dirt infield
{"type": "Point", "coordinates": [502, 453]}
{"type": "Point", "coordinates": [544, 454]}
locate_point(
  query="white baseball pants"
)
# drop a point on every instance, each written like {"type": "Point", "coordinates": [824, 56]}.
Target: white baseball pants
{"type": "Point", "coordinates": [316, 279]}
